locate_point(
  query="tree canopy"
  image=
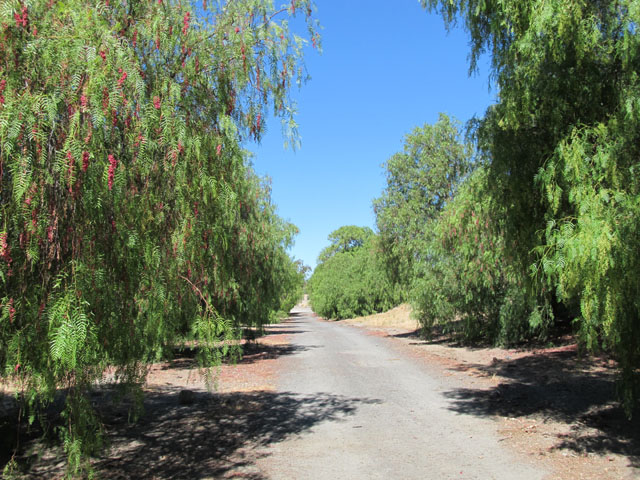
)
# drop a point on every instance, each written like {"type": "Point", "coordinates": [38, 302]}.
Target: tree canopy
{"type": "Point", "coordinates": [350, 279]}
{"type": "Point", "coordinates": [345, 239]}
{"type": "Point", "coordinates": [561, 149]}
{"type": "Point", "coordinates": [129, 214]}
{"type": "Point", "coordinates": [421, 180]}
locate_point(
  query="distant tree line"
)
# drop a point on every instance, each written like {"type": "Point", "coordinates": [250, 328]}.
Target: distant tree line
{"type": "Point", "coordinates": [350, 279]}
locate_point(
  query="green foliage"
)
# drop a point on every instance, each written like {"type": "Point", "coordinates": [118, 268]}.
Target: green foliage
{"type": "Point", "coordinates": [470, 285]}
{"type": "Point", "coordinates": [345, 239]}
{"type": "Point", "coordinates": [591, 254]}
{"type": "Point", "coordinates": [351, 281]}
{"type": "Point", "coordinates": [443, 240]}
{"type": "Point", "coordinates": [293, 282]}
{"type": "Point", "coordinates": [561, 148]}
{"type": "Point", "coordinates": [421, 180]}
{"type": "Point", "coordinates": [129, 214]}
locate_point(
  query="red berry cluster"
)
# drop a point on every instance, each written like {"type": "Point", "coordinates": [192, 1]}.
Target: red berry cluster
{"type": "Point", "coordinates": [113, 163]}
{"type": "Point", "coordinates": [87, 139]}
{"type": "Point", "coordinates": [105, 98]}
{"type": "Point", "coordinates": [3, 85]}
{"type": "Point", "coordinates": [156, 102]}
{"type": "Point", "coordinates": [12, 312]}
{"type": "Point", "coordinates": [85, 161]}
{"type": "Point", "coordinates": [218, 150]}
{"type": "Point", "coordinates": [122, 78]}
{"type": "Point", "coordinates": [5, 254]}
{"type": "Point", "coordinates": [185, 22]}
{"type": "Point", "coordinates": [138, 141]}
{"type": "Point", "coordinates": [22, 19]}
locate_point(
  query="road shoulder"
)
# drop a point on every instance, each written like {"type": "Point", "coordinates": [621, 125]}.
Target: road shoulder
{"type": "Point", "coordinates": [550, 405]}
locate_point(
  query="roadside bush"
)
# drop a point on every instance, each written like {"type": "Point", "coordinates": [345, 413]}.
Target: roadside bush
{"type": "Point", "coordinates": [469, 285]}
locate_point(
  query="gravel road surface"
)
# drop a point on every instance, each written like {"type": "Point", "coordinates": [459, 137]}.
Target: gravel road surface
{"type": "Point", "coordinates": [393, 423]}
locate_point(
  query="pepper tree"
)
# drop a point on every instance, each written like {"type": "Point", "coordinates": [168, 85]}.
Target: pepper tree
{"type": "Point", "coordinates": [129, 214]}
{"type": "Point", "coordinates": [562, 146]}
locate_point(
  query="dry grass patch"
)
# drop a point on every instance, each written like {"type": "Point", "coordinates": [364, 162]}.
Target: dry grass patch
{"type": "Point", "coordinates": [397, 318]}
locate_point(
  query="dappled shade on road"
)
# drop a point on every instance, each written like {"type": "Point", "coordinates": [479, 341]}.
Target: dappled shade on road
{"type": "Point", "coordinates": [552, 387]}
{"type": "Point", "coordinates": [212, 435]}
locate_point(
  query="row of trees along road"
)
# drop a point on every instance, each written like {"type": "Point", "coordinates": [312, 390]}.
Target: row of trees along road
{"type": "Point", "coordinates": [129, 215]}
{"type": "Point", "coordinates": [350, 279]}
{"type": "Point", "coordinates": [533, 223]}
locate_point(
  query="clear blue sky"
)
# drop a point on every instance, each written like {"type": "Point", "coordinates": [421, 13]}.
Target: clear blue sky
{"type": "Point", "coordinates": [386, 68]}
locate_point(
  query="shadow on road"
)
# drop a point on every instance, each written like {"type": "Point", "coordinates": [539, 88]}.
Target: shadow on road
{"type": "Point", "coordinates": [247, 353]}
{"type": "Point", "coordinates": [8, 426]}
{"type": "Point", "coordinates": [194, 434]}
{"type": "Point", "coordinates": [562, 387]}
{"type": "Point", "coordinates": [213, 436]}
{"type": "Point", "coordinates": [258, 351]}
{"type": "Point", "coordinates": [251, 352]}
{"type": "Point", "coordinates": [282, 330]}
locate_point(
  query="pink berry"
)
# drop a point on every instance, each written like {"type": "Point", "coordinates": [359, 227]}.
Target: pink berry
{"type": "Point", "coordinates": [113, 163]}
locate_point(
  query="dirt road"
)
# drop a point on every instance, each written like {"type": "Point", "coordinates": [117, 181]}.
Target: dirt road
{"type": "Point", "coordinates": [341, 400]}
{"type": "Point", "coordinates": [393, 420]}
